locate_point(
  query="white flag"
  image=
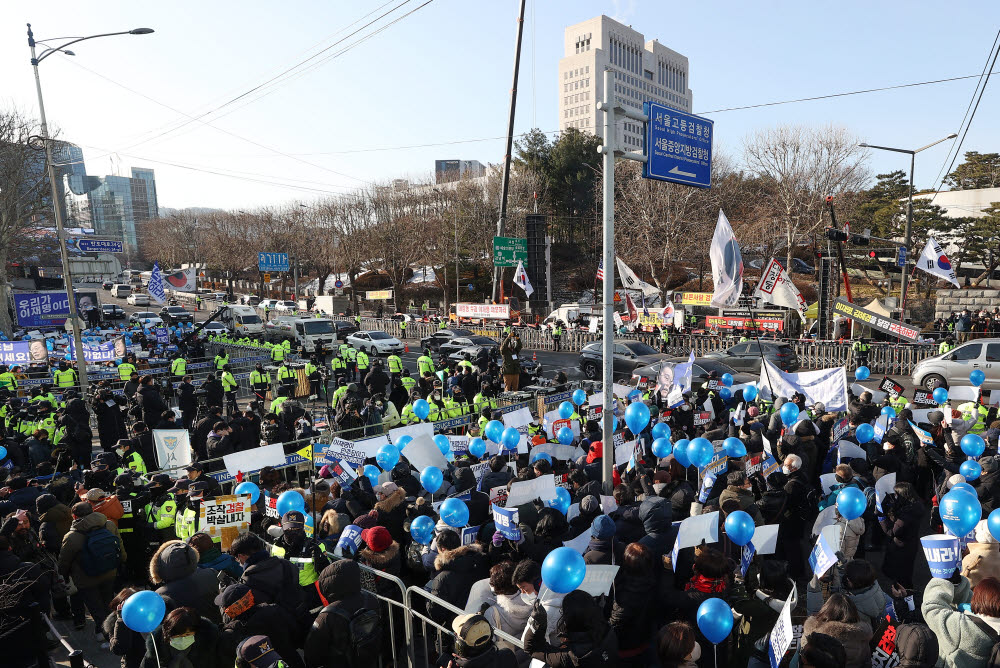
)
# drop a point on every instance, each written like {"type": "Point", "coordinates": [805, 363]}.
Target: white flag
{"type": "Point", "coordinates": [633, 282]}
{"type": "Point", "coordinates": [935, 262]}
{"type": "Point", "coordinates": [521, 279]}
{"type": "Point", "coordinates": [727, 265]}
{"type": "Point", "coordinates": [775, 287]}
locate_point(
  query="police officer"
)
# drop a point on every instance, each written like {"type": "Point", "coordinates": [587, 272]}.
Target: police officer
{"type": "Point", "coordinates": [287, 377]}
{"type": "Point", "coordinates": [302, 551]}
{"type": "Point", "coordinates": [126, 370]}
{"type": "Point", "coordinates": [221, 359]}
{"type": "Point", "coordinates": [362, 362]}
{"type": "Point", "coordinates": [408, 381]}
{"type": "Point", "coordinates": [64, 376]}
{"type": "Point", "coordinates": [260, 381]}
{"type": "Point", "coordinates": [338, 393]}
{"type": "Point", "coordinates": [339, 368]}
{"type": "Point", "coordinates": [162, 507]}
{"type": "Point", "coordinates": [8, 381]}
{"type": "Point", "coordinates": [946, 346]}
{"type": "Point", "coordinates": [861, 348]}
{"type": "Point", "coordinates": [132, 525]}
{"type": "Point", "coordinates": [557, 332]}
{"type": "Point", "coordinates": [278, 353]}
{"type": "Point", "coordinates": [402, 329]}
{"type": "Point", "coordinates": [283, 392]}
{"type": "Point", "coordinates": [425, 363]}
{"type": "Point", "coordinates": [178, 368]}
{"type": "Point", "coordinates": [187, 521]}
{"type": "Point", "coordinates": [313, 374]}
{"type": "Point", "coordinates": [45, 418]}
{"type": "Point", "coordinates": [129, 457]}
{"type": "Point", "coordinates": [352, 363]}
{"type": "Point", "coordinates": [229, 387]}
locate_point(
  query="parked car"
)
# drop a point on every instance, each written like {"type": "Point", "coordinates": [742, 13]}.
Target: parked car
{"type": "Point", "coordinates": [955, 366]}
{"type": "Point", "coordinates": [746, 356]}
{"type": "Point", "coordinates": [628, 356]}
{"type": "Point", "coordinates": [286, 306]}
{"type": "Point", "coordinates": [280, 328]}
{"type": "Point", "coordinates": [173, 315]}
{"type": "Point", "coordinates": [645, 377]}
{"type": "Point", "coordinates": [800, 266]}
{"type": "Point", "coordinates": [145, 319]}
{"type": "Point", "coordinates": [107, 285]}
{"type": "Point", "coordinates": [375, 342]}
{"type": "Point", "coordinates": [343, 328]}
{"type": "Point", "coordinates": [435, 340]}
{"type": "Point", "coordinates": [267, 303]}
{"type": "Point", "coordinates": [138, 299]}
{"type": "Point", "coordinates": [253, 300]}
{"type": "Point", "coordinates": [460, 342]}
{"type": "Point", "coordinates": [218, 297]}
{"type": "Point", "coordinates": [112, 312]}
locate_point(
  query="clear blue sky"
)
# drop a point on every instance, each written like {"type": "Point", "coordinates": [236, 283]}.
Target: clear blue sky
{"type": "Point", "coordinates": [443, 75]}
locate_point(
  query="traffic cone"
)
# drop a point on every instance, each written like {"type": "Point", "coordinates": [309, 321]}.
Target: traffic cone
{"type": "Point", "coordinates": [406, 348]}
{"type": "Point", "coordinates": [534, 356]}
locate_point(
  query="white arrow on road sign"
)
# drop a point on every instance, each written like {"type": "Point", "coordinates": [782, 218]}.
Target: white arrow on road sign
{"type": "Point", "coordinates": [676, 170]}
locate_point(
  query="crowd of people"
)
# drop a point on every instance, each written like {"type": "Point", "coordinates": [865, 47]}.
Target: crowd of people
{"type": "Point", "coordinates": [88, 521]}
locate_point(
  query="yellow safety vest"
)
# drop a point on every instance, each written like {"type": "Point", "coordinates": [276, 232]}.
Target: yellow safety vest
{"type": "Point", "coordinates": [65, 378]}
{"type": "Point", "coordinates": [362, 360]}
{"type": "Point", "coordinates": [257, 378]}
{"type": "Point", "coordinates": [278, 353]}
{"type": "Point", "coordinates": [178, 367]}
{"type": "Point", "coordinates": [229, 381]}
{"type": "Point", "coordinates": [395, 364]}
{"type": "Point", "coordinates": [126, 370]}
{"type": "Point", "coordinates": [305, 566]}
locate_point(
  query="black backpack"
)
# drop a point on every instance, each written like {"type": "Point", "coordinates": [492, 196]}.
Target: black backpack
{"type": "Point", "coordinates": [101, 552]}
{"type": "Point", "coordinates": [365, 629]}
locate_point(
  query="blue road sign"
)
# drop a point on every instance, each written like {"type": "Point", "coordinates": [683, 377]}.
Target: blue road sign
{"type": "Point", "coordinates": [471, 287]}
{"type": "Point", "coordinates": [901, 257]}
{"type": "Point", "coordinates": [272, 261]}
{"type": "Point", "coordinates": [678, 146]}
{"type": "Point", "coordinates": [100, 246]}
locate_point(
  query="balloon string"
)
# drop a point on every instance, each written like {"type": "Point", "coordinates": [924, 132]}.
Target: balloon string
{"type": "Point", "coordinates": [155, 649]}
{"type": "Point", "coordinates": [715, 654]}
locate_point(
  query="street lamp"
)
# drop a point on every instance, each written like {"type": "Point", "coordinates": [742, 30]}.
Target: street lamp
{"type": "Point", "coordinates": [56, 209]}
{"type": "Point", "coordinates": [909, 208]}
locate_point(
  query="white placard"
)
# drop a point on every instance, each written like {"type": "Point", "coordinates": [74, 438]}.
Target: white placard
{"type": "Point", "coordinates": [422, 452]}
{"type": "Point", "coordinates": [623, 452]}
{"type": "Point", "coordinates": [579, 543]}
{"type": "Point", "coordinates": [414, 430]}
{"type": "Point", "coordinates": [560, 451]}
{"type": "Point", "coordinates": [525, 491]}
{"type": "Point", "coordinates": [884, 486]}
{"type": "Point", "coordinates": [370, 446]}
{"type": "Point", "coordinates": [173, 448]}
{"type": "Point", "coordinates": [994, 399]}
{"type": "Point", "coordinates": [459, 443]}
{"type": "Point", "coordinates": [963, 393]}
{"type": "Point", "coordinates": [782, 634]}
{"type": "Point", "coordinates": [519, 419]}
{"type": "Point", "coordinates": [255, 459]}
{"type": "Point", "coordinates": [827, 481]}
{"type": "Point", "coordinates": [599, 578]}
{"type": "Point", "coordinates": [767, 449]}
{"type": "Point", "coordinates": [852, 450]}
{"type": "Point", "coordinates": [765, 538]}
{"type": "Point", "coordinates": [877, 395]}
{"type": "Point", "coordinates": [552, 423]}
{"type": "Point", "coordinates": [826, 517]}
{"type": "Point", "coordinates": [832, 533]}
{"type": "Point", "coordinates": [694, 530]}
{"type": "Point", "coordinates": [573, 512]}
{"type": "Point", "coordinates": [923, 414]}
{"type": "Point", "coordinates": [608, 504]}
{"type": "Point", "coordinates": [620, 390]}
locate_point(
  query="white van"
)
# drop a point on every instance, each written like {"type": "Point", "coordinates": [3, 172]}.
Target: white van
{"type": "Point", "coordinates": [121, 290]}
{"type": "Point", "coordinates": [243, 321]}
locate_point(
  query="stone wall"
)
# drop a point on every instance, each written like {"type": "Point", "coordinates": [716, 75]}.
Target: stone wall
{"type": "Point", "coordinates": [949, 301]}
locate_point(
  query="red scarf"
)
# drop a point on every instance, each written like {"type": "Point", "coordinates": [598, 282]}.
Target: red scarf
{"type": "Point", "coordinates": [706, 585]}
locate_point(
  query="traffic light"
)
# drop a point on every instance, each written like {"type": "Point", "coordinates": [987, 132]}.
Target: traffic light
{"type": "Point", "coordinates": [833, 234]}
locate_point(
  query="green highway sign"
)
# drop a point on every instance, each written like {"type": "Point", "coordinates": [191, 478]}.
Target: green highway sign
{"type": "Point", "coordinates": [508, 251]}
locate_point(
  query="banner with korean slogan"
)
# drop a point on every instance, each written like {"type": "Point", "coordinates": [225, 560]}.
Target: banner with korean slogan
{"type": "Point", "coordinates": [173, 448]}
{"type": "Point", "coordinates": [823, 557]}
{"type": "Point", "coordinates": [943, 553]}
{"type": "Point", "coordinates": [224, 518]}
{"type": "Point", "coordinates": [506, 520]}
{"type": "Point", "coordinates": [341, 449]}
{"type": "Point", "coordinates": [343, 472]}
{"type": "Point", "coordinates": [782, 634]}
{"type": "Point", "coordinates": [746, 556]}
{"type": "Point", "coordinates": [552, 423]}
{"type": "Point", "coordinates": [23, 352]}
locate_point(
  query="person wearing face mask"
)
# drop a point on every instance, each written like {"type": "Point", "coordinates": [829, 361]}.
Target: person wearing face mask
{"type": "Point", "coordinates": [528, 578]}
{"type": "Point", "coordinates": [509, 612]}
{"type": "Point", "coordinates": [584, 637]}
{"type": "Point", "coordinates": [306, 554]}
{"type": "Point", "coordinates": [187, 517]}
{"type": "Point", "coordinates": [272, 579]}
{"type": "Point", "coordinates": [676, 646]}
{"type": "Point", "coordinates": [163, 507]}
{"type": "Point", "coordinates": [185, 639]}
{"type": "Point", "coordinates": [129, 457]}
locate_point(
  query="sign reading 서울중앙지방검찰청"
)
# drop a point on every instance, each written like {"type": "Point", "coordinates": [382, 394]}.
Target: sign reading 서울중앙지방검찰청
{"type": "Point", "coordinates": [874, 320]}
{"type": "Point", "coordinates": [678, 146]}
{"type": "Point", "coordinates": [488, 311]}
{"type": "Point", "coordinates": [508, 251]}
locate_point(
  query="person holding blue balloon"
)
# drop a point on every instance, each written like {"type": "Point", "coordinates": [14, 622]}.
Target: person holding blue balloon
{"type": "Point", "coordinates": [901, 519]}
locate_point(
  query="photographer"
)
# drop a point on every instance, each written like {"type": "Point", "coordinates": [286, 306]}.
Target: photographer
{"type": "Point", "coordinates": [510, 350]}
{"type": "Point", "coordinates": [350, 424]}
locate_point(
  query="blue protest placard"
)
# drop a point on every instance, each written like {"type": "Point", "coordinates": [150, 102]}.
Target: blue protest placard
{"type": "Point", "coordinates": [746, 557]}
{"type": "Point", "coordinates": [943, 553]}
{"type": "Point", "coordinates": [96, 352]}
{"type": "Point", "coordinates": [350, 540]}
{"type": "Point", "coordinates": [782, 634]}
{"type": "Point", "coordinates": [162, 335]}
{"type": "Point", "coordinates": [822, 557]}
{"type": "Point", "coordinates": [469, 535]}
{"type": "Point", "coordinates": [506, 520]}
{"type": "Point", "coordinates": [22, 352]}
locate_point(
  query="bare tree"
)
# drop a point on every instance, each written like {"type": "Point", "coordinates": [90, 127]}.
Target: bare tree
{"type": "Point", "coordinates": [804, 165]}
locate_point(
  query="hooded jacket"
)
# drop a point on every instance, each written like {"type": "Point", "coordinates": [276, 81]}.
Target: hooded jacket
{"type": "Point", "coordinates": [340, 587]}
{"type": "Point", "coordinates": [575, 650]}
{"type": "Point", "coordinates": [56, 519]}
{"type": "Point", "coordinates": [509, 613]}
{"type": "Point", "coordinates": [656, 516]}
{"type": "Point", "coordinates": [457, 570]}
{"type": "Point", "coordinates": [174, 567]}
{"type": "Point", "coordinates": [274, 580]}
{"type": "Point", "coordinates": [631, 613]}
{"type": "Point", "coordinates": [854, 637]}
{"type": "Point", "coordinates": [916, 646]}
{"type": "Point", "coordinates": [391, 513]}
{"type": "Point", "coordinates": [204, 653]}
{"type": "Point", "coordinates": [962, 640]}
{"type": "Point", "coordinates": [746, 500]}
{"type": "Point", "coordinates": [73, 543]}
{"type": "Point", "coordinates": [214, 559]}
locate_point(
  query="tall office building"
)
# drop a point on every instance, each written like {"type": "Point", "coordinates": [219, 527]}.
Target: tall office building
{"type": "Point", "coordinates": [643, 71]}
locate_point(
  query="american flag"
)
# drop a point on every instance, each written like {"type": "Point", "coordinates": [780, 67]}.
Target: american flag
{"type": "Point", "coordinates": [600, 270]}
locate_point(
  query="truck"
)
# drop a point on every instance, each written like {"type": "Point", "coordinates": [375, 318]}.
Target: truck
{"type": "Point", "coordinates": [308, 334]}
{"type": "Point", "coordinates": [331, 305]}
{"type": "Point", "coordinates": [242, 321]}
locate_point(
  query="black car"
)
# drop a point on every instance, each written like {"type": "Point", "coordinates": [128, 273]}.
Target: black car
{"type": "Point", "coordinates": [457, 343]}
{"type": "Point", "coordinates": [107, 285]}
{"type": "Point", "coordinates": [112, 312]}
{"type": "Point", "coordinates": [343, 328]}
{"type": "Point", "coordinates": [435, 340]}
{"type": "Point", "coordinates": [628, 356]}
{"type": "Point", "coordinates": [173, 315]}
{"type": "Point", "coordinates": [746, 356]}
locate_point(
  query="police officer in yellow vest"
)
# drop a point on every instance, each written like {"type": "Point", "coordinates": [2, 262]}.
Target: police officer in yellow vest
{"type": "Point", "coordinates": [64, 376]}
{"type": "Point", "coordinates": [126, 370]}
{"type": "Point", "coordinates": [229, 387]}
{"type": "Point", "coordinates": [395, 363]}
{"type": "Point", "coordinates": [45, 418]}
{"type": "Point", "coordinates": [8, 381]}
{"type": "Point", "coordinates": [162, 507]}
{"type": "Point", "coordinates": [408, 381]}
{"type": "Point", "coordinates": [315, 379]}
{"type": "Point", "coordinates": [352, 363]}
{"type": "Point", "coordinates": [303, 552]}
{"type": "Point", "coordinates": [186, 520]}
{"type": "Point", "coordinates": [287, 377]}
{"type": "Point", "coordinates": [278, 354]}
{"type": "Point", "coordinates": [861, 348]}
{"type": "Point", "coordinates": [221, 359]}
{"type": "Point", "coordinates": [178, 368]}
{"type": "Point", "coordinates": [402, 329]}
{"type": "Point", "coordinates": [973, 410]}
{"type": "Point", "coordinates": [946, 346]}
{"type": "Point", "coordinates": [362, 362]}
{"type": "Point", "coordinates": [339, 368]}
{"type": "Point", "coordinates": [425, 363]}
{"type": "Point", "coordinates": [260, 382]}
{"type": "Point", "coordinates": [129, 457]}
{"type": "Point", "coordinates": [557, 332]}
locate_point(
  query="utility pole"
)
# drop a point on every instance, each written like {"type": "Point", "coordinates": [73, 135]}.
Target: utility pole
{"type": "Point", "coordinates": [505, 183]}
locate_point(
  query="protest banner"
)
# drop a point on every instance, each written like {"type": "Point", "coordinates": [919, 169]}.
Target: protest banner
{"type": "Point", "coordinates": [350, 540]}
{"type": "Point", "coordinates": [341, 449]}
{"type": "Point", "coordinates": [762, 463]}
{"type": "Point", "coordinates": [943, 554]}
{"type": "Point", "coordinates": [173, 447]}
{"type": "Point", "coordinates": [422, 452]}
{"type": "Point", "coordinates": [552, 423]}
{"type": "Point", "coordinates": [598, 579]}
{"type": "Point", "coordinates": [343, 473]}
{"type": "Point", "coordinates": [469, 535]}
{"type": "Point", "coordinates": [224, 518]}
{"type": "Point", "coordinates": [23, 352]}
{"type": "Point", "coordinates": [781, 634]}
{"type": "Point", "coordinates": [891, 387]}
{"type": "Point", "coordinates": [925, 397]}
{"type": "Point", "coordinates": [412, 430]}
{"type": "Point", "coordinates": [525, 491]}
{"type": "Point", "coordinates": [823, 556]}
{"type": "Point", "coordinates": [254, 459]}
{"type": "Point", "coordinates": [842, 427]}
{"type": "Point", "coordinates": [459, 444]}
{"type": "Point", "coordinates": [498, 495]}
{"type": "Point", "coordinates": [506, 520]}
{"type": "Point", "coordinates": [746, 556]}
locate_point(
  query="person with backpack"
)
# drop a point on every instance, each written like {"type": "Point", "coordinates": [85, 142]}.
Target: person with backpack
{"type": "Point", "coordinates": [348, 630]}
{"type": "Point", "coordinates": [90, 554]}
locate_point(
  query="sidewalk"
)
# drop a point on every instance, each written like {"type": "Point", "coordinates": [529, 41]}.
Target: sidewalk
{"type": "Point", "coordinates": [84, 641]}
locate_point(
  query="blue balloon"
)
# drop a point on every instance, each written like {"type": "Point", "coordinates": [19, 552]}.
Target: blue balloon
{"type": "Point", "coordinates": [661, 448]}
{"type": "Point", "coordinates": [455, 513]}
{"type": "Point", "coordinates": [565, 436]}
{"type": "Point", "coordinates": [977, 377]}
{"type": "Point", "coordinates": [940, 395]}
{"type": "Point", "coordinates": [750, 392]}
{"type": "Point", "coordinates": [851, 502]}
{"type": "Point", "coordinates": [143, 611]}
{"type": "Point", "coordinates": [973, 445]}
{"type": "Point", "coordinates": [637, 417]}
{"type": "Point", "coordinates": [715, 619]}
{"type": "Point", "coordinates": [3, 453]}
{"type": "Point", "coordinates": [510, 438]}
{"type": "Point", "coordinates": [494, 430]}
{"type": "Point", "coordinates": [421, 409]}
{"type": "Point", "coordinates": [422, 529]}
{"type": "Point", "coordinates": [444, 445]}
{"type": "Point", "coordinates": [431, 478]}
{"type": "Point", "coordinates": [789, 413]}
{"type": "Point", "coordinates": [727, 379]}
{"type": "Point", "coordinates": [563, 570]}
{"type": "Point", "coordinates": [562, 500]}
{"type": "Point", "coordinates": [993, 523]}
{"type": "Point", "coordinates": [700, 452]}
{"type": "Point", "coordinates": [244, 488]}
{"type": "Point", "coordinates": [734, 448]}
{"type": "Point", "coordinates": [661, 430]}
{"type": "Point", "coordinates": [725, 393]}
{"type": "Point", "coordinates": [964, 487]}
{"type": "Point", "coordinates": [403, 441]}
{"type": "Point", "coordinates": [387, 456]}
{"type": "Point", "coordinates": [864, 433]}
{"type": "Point", "coordinates": [862, 373]}
{"type": "Point", "coordinates": [477, 447]}
{"type": "Point", "coordinates": [680, 452]}
{"type": "Point", "coordinates": [289, 501]}
{"type": "Point", "coordinates": [634, 395]}
{"type": "Point", "coordinates": [535, 456]}
{"type": "Point", "coordinates": [372, 472]}
{"type": "Point", "coordinates": [971, 469]}
{"type": "Point", "coordinates": [960, 512]}
{"type": "Point", "coordinates": [579, 397]}
{"type": "Point", "coordinates": [739, 527]}
{"type": "Point", "coordinates": [889, 411]}
{"type": "Point", "coordinates": [566, 410]}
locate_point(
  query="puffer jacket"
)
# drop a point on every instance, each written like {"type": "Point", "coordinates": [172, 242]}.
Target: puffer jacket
{"type": "Point", "coordinates": [916, 646]}
{"type": "Point", "coordinates": [746, 500]}
{"type": "Point", "coordinates": [575, 650]}
{"type": "Point", "coordinates": [123, 641]}
{"type": "Point", "coordinates": [73, 543]}
{"type": "Point", "coordinates": [508, 614]}
{"type": "Point", "coordinates": [631, 613]}
{"type": "Point", "coordinates": [962, 640]}
{"type": "Point", "coordinates": [457, 570]}
{"type": "Point", "coordinates": [392, 513]}
{"type": "Point", "coordinates": [56, 519]}
{"type": "Point", "coordinates": [656, 516]}
{"type": "Point", "coordinates": [174, 567]}
{"type": "Point", "coordinates": [854, 637]}
{"type": "Point", "coordinates": [264, 619]}
{"type": "Point", "coordinates": [870, 602]}
{"type": "Point", "coordinates": [851, 531]}
{"type": "Point", "coordinates": [339, 585]}
{"type": "Point", "coordinates": [273, 580]}
{"type": "Point", "coordinates": [982, 561]}
{"type": "Point", "coordinates": [151, 402]}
